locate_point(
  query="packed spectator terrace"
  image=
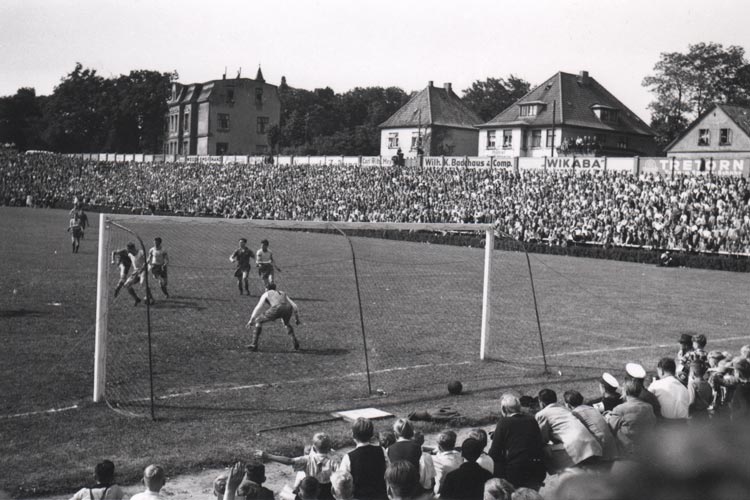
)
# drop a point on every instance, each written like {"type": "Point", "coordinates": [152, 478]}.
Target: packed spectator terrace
{"type": "Point", "coordinates": [704, 213]}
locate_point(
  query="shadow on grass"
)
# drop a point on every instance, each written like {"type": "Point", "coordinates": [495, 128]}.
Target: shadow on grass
{"type": "Point", "coordinates": [20, 313]}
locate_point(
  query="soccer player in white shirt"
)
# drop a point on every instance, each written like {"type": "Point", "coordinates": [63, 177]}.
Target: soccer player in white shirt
{"type": "Point", "coordinates": [265, 263]}
{"type": "Point", "coordinates": [137, 273]}
{"type": "Point", "coordinates": [158, 259]}
{"type": "Point", "coordinates": [281, 307]}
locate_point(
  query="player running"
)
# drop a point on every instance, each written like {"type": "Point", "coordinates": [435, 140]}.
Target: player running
{"type": "Point", "coordinates": [76, 230]}
{"type": "Point", "coordinates": [158, 260]}
{"type": "Point", "coordinates": [242, 258]}
{"type": "Point", "coordinates": [121, 257]}
{"type": "Point", "coordinates": [137, 274]}
{"type": "Point", "coordinates": [265, 263]}
{"type": "Point", "coordinates": [280, 306]}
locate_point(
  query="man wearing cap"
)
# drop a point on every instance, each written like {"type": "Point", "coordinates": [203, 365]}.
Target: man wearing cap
{"type": "Point", "coordinates": [632, 420]}
{"type": "Point", "coordinates": [558, 425]}
{"type": "Point", "coordinates": [637, 373]}
{"type": "Point", "coordinates": [467, 481]}
{"type": "Point", "coordinates": [608, 386]}
{"type": "Point", "coordinates": [673, 396]}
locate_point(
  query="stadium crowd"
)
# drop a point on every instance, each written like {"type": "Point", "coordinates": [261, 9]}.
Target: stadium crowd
{"type": "Point", "coordinates": [681, 436]}
{"type": "Point", "coordinates": [692, 213]}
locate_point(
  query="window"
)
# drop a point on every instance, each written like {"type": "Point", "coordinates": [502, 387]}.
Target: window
{"type": "Point", "coordinates": [222, 148]}
{"type": "Point", "coordinates": [393, 140]}
{"type": "Point", "coordinates": [491, 139]}
{"type": "Point", "coordinates": [524, 139]}
{"type": "Point", "coordinates": [608, 115]}
{"type": "Point", "coordinates": [725, 137]}
{"type": "Point", "coordinates": [704, 137]}
{"type": "Point", "coordinates": [622, 143]}
{"type": "Point", "coordinates": [536, 138]}
{"type": "Point", "coordinates": [259, 95]}
{"type": "Point", "coordinates": [185, 147]}
{"type": "Point", "coordinates": [507, 138]}
{"type": "Point", "coordinates": [415, 140]}
{"type": "Point", "coordinates": [262, 124]}
{"type": "Point", "coordinates": [223, 121]}
{"type": "Point", "coordinates": [173, 123]}
{"type": "Point", "coordinates": [550, 138]}
{"type": "Point", "coordinates": [230, 96]}
{"type": "Point", "coordinates": [529, 110]}
{"type": "Point", "coordinates": [186, 122]}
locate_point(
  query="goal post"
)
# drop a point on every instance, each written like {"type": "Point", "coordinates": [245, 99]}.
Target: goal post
{"type": "Point", "coordinates": [204, 313]}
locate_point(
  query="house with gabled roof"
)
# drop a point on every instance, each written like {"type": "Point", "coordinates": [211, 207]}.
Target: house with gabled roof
{"type": "Point", "coordinates": [230, 116]}
{"type": "Point", "coordinates": [722, 132]}
{"type": "Point", "coordinates": [436, 120]}
{"type": "Point", "coordinates": [567, 115]}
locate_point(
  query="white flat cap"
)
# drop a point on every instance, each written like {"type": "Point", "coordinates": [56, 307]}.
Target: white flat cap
{"type": "Point", "coordinates": [635, 370]}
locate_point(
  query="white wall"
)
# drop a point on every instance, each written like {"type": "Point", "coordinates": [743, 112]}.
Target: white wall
{"type": "Point", "coordinates": [404, 140]}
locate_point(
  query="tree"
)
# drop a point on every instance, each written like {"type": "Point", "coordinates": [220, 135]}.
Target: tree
{"type": "Point", "coordinates": [21, 120]}
{"type": "Point", "coordinates": [488, 98]}
{"type": "Point", "coordinates": [686, 84]}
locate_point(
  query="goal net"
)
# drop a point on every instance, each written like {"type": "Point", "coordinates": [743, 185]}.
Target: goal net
{"type": "Point", "coordinates": [384, 309]}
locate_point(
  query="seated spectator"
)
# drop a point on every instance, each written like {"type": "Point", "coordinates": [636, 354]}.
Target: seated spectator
{"type": "Point", "coordinates": [252, 485]}
{"type": "Point", "coordinates": [366, 462]}
{"type": "Point", "coordinates": [446, 459]}
{"type": "Point", "coordinates": [672, 394]}
{"type": "Point", "coordinates": [631, 421]}
{"type": "Point", "coordinates": [526, 494]}
{"type": "Point", "coordinates": [466, 481]}
{"type": "Point", "coordinates": [154, 479]}
{"type": "Point", "coordinates": [104, 484]}
{"type": "Point", "coordinates": [406, 449]}
{"type": "Point", "coordinates": [610, 397]}
{"type": "Point", "coordinates": [740, 404]}
{"type": "Point", "coordinates": [594, 422]}
{"type": "Point", "coordinates": [637, 373]}
{"type": "Point", "coordinates": [342, 485]}
{"type": "Point", "coordinates": [227, 484]}
{"type": "Point", "coordinates": [529, 405]}
{"type": "Point", "coordinates": [517, 446]}
{"type": "Point", "coordinates": [309, 489]}
{"type": "Point", "coordinates": [402, 482]}
{"type": "Point", "coordinates": [386, 438]}
{"type": "Point", "coordinates": [572, 444]}
{"type": "Point", "coordinates": [699, 391]}
{"type": "Point", "coordinates": [498, 489]}
{"type": "Point", "coordinates": [484, 459]}
{"type": "Point", "coordinates": [320, 462]}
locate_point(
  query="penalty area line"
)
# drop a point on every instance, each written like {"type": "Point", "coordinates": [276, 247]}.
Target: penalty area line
{"type": "Point", "coordinates": [40, 412]}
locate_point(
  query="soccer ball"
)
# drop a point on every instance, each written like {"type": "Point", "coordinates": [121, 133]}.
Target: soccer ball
{"type": "Point", "coordinates": [455, 387]}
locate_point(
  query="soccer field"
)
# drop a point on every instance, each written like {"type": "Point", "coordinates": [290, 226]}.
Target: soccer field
{"type": "Point", "coordinates": [421, 306]}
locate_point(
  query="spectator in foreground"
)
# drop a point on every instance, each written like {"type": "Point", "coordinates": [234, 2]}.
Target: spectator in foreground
{"type": "Point", "coordinates": [226, 485]}
{"type": "Point", "coordinates": [683, 357]}
{"type": "Point", "coordinates": [672, 394]}
{"type": "Point", "coordinates": [342, 485]}
{"type": "Point", "coordinates": [484, 459]}
{"type": "Point", "coordinates": [740, 404]}
{"type": "Point", "coordinates": [104, 487]}
{"type": "Point", "coordinates": [467, 481]}
{"type": "Point", "coordinates": [320, 462]}
{"type": "Point", "coordinates": [406, 449]}
{"type": "Point", "coordinates": [699, 391]}
{"type": "Point", "coordinates": [498, 489]}
{"type": "Point", "coordinates": [154, 480]}
{"type": "Point", "coordinates": [366, 462]}
{"type": "Point", "coordinates": [402, 481]}
{"type": "Point", "coordinates": [446, 459]}
{"type": "Point", "coordinates": [309, 489]}
{"type": "Point", "coordinates": [572, 443]}
{"type": "Point", "coordinates": [517, 446]}
{"type": "Point", "coordinates": [595, 423]}
{"type": "Point", "coordinates": [631, 421]}
{"type": "Point", "coordinates": [526, 494]}
{"type": "Point", "coordinates": [610, 398]}
{"type": "Point", "coordinates": [252, 485]}
{"type": "Point", "coordinates": [637, 373]}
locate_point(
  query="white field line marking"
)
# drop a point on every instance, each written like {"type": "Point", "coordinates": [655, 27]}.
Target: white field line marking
{"type": "Point", "coordinates": [633, 348]}
{"type": "Point", "coordinates": [30, 413]}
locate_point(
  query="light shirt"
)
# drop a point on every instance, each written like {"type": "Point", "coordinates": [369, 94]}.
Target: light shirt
{"type": "Point", "coordinates": [114, 492]}
{"type": "Point", "coordinates": [138, 260]}
{"type": "Point", "coordinates": [673, 397]}
{"type": "Point", "coordinates": [146, 495]}
{"type": "Point", "coordinates": [445, 462]}
{"type": "Point", "coordinates": [262, 257]}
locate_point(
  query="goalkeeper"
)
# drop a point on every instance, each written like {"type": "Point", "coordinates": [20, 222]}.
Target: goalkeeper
{"type": "Point", "coordinates": [280, 307]}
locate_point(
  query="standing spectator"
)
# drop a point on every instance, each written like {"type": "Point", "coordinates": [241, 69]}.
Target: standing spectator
{"type": "Point", "coordinates": [683, 356]}
{"type": "Point", "coordinates": [104, 487]}
{"type": "Point", "coordinates": [594, 422]}
{"type": "Point", "coordinates": [446, 459]}
{"type": "Point", "coordinates": [672, 394]}
{"type": "Point", "coordinates": [466, 481]}
{"type": "Point", "coordinates": [517, 446]}
{"type": "Point", "coordinates": [740, 404]}
{"type": "Point", "coordinates": [632, 420]}
{"type": "Point", "coordinates": [154, 480]}
{"type": "Point", "coordinates": [406, 449]}
{"type": "Point", "coordinates": [366, 462]}
{"type": "Point", "coordinates": [561, 427]}
{"type": "Point", "coordinates": [637, 373]}
{"type": "Point", "coordinates": [699, 391]}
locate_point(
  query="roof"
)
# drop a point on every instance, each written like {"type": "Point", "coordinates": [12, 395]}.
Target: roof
{"type": "Point", "coordinates": [433, 106]}
{"type": "Point", "coordinates": [740, 115]}
{"type": "Point", "coordinates": [575, 97]}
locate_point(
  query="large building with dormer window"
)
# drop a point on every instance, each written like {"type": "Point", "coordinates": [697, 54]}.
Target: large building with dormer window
{"type": "Point", "coordinates": [221, 117]}
{"type": "Point", "coordinates": [567, 115]}
{"type": "Point", "coordinates": [436, 120]}
{"type": "Point", "coordinates": [722, 132]}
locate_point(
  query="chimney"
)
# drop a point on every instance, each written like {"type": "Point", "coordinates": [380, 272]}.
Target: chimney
{"type": "Point", "coordinates": [583, 77]}
{"type": "Point", "coordinates": [430, 83]}
{"type": "Point", "coordinates": [447, 87]}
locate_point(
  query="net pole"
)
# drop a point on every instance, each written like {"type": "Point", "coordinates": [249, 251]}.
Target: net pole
{"type": "Point", "coordinates": [536, 310]}
{"type": "Point", "coordinates": [489, 246]}
{"type": "Point", "coordinates": [100, 339]}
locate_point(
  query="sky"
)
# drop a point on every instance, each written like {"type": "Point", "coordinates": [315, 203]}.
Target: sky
{"type": "Point", "coordinates": [344, 44]}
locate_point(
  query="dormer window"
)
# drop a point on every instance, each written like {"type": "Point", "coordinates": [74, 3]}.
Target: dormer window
{"type": "Point", "coordinates": [531, 108]}
{"type": "Point", "coordinates": [606, 113]}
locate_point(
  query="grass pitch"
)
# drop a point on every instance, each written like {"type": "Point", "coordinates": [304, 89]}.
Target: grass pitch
{"type": "Point", "coordinates": [421, 308]}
